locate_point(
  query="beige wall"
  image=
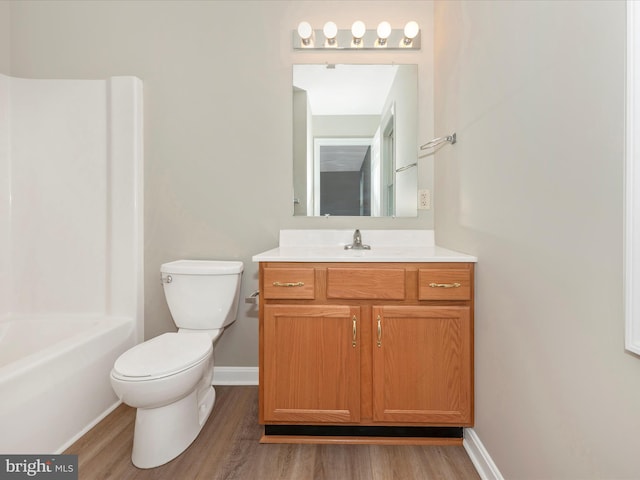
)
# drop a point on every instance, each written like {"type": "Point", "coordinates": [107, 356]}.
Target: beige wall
{"type": "Point", "coordinates": [5, 172]}
{"type": "Point", "coordinates": [534, 188]}
{"type": "Point", "coordinates": [218, 144]}
{"type": "Point", "coordinates": [4, 36]}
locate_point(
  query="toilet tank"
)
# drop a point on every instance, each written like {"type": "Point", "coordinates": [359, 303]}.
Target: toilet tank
{"type": "Point", "coordinates": [202, 294]}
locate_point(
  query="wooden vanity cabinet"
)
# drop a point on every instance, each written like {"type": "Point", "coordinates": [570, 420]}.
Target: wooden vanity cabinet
{"type": "Point", "coordinates": [366, 344]}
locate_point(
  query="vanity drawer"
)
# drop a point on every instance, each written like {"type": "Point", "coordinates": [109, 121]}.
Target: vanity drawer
{"type": "Point", "coordinates": [444, 284]}
{"type": "Point", "coordinates": [366, 283]}
{"type": "Point", "coordinates": [289, 283]}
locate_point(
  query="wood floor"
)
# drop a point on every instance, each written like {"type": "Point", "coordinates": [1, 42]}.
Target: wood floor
{"type": "Point", "coordinates": [228, 448]}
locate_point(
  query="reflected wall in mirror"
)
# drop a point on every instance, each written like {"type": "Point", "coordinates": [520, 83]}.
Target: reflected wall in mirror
{"type": "Point", "coordinates": [355, 140]}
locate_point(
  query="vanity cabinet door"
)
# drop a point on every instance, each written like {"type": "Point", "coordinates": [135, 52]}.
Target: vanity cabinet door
{"type": "Point", "coordinates": [311, 363]}
{"type": "Point", "coordinates": [422, 365]}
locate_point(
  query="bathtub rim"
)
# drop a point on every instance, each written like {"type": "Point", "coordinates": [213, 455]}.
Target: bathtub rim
{"type": "Point", "coordinates": [36, 359]}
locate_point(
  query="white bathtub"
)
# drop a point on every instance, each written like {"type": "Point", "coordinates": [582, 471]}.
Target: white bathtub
{"type": "Point", "coordinates": [54, 378]}
{"type": "Point", "coordinates": [71, 241]}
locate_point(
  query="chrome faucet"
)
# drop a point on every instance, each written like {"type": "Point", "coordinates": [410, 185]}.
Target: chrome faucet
{"type": "Point", "coordinates": [357, 242]}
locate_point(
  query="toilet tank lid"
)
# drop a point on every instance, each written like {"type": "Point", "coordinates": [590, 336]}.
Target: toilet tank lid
{"type": "Point", "coordinates": [202, 267]}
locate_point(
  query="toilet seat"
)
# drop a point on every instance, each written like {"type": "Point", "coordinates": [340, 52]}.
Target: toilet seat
{"type": "Point", "coordinates": [162, 356]}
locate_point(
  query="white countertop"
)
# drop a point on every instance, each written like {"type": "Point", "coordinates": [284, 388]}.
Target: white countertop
{"type": "Point", "coordinates": [386, 246]}
{"type": "Point", "coordinates": [381, 254]}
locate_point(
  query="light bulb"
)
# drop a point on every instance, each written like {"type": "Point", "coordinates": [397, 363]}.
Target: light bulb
{"type": "Point", "coordinates": [384, 30]}
{"type": "Point", "coordinates": [305, 31]}
{"type": "Point", "coordinates": [411, 30]}
{"type": "Point", "coordinates": [358, 28]}
{"type": "Point", "coordinates": [330, 30]}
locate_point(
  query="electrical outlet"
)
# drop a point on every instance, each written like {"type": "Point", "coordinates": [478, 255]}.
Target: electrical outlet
{"type": "Point", "coordinates": [424, 200]}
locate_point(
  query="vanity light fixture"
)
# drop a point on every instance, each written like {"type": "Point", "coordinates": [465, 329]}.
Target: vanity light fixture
{"type": "Point", "coordinates": [357, 37]}
{"type": "Point", "coordinates": [330, 30]}
{"type": "Point", "coordinates": [305, 32]}
{"type": "Point", "coordinates": [383, 31]}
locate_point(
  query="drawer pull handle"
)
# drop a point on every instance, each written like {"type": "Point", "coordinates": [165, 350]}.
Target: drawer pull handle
{"type": "Point", "coordinates": [445, 285]}
{"type": "Point", "coordinates": [355, 332]}
{"type": "Point", "coordinates": [288, 284]}
{"type": "Point", "coordinates": [379, 332]}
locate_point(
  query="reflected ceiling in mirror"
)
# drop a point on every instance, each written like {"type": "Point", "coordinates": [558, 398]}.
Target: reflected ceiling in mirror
{"type": "Point", "coordinates": [354, 140]}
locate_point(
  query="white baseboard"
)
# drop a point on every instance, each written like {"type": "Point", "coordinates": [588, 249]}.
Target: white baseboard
{"type": "Point", "coordinates": [235, 375]}
{"type": "Point", "coordinates": [479, 456]}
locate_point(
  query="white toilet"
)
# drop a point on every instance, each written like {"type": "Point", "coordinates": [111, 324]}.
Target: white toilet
{"type": "Point", "coordinates": [169, 378]}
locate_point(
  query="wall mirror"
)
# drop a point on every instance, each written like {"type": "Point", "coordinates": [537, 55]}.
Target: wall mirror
{"type": "Point", "coordinates": [355, 140]}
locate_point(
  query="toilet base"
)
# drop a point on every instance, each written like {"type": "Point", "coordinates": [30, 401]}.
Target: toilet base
{"type": "Point", "coordinates": [163, 433]}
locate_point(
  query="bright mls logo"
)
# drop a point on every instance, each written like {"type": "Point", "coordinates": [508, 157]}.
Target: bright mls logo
{"type": "Point", "coordinates": [51, 467]}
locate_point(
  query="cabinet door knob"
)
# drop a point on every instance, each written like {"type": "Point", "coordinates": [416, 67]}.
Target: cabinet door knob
{"type": "Point", "coordinates": [445, 285]}
{"type": "Point", "coordinates": [288, 284]}
{"type": "Point", "coordinates": [379, 332]}
{"type": "Point", "coordinates": [355, 332]}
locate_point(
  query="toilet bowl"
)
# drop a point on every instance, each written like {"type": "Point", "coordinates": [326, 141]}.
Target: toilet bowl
{"type": "Point", "coordinates": [169, 378]}
{"type": "Point", "coordinates": [162, 370]}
